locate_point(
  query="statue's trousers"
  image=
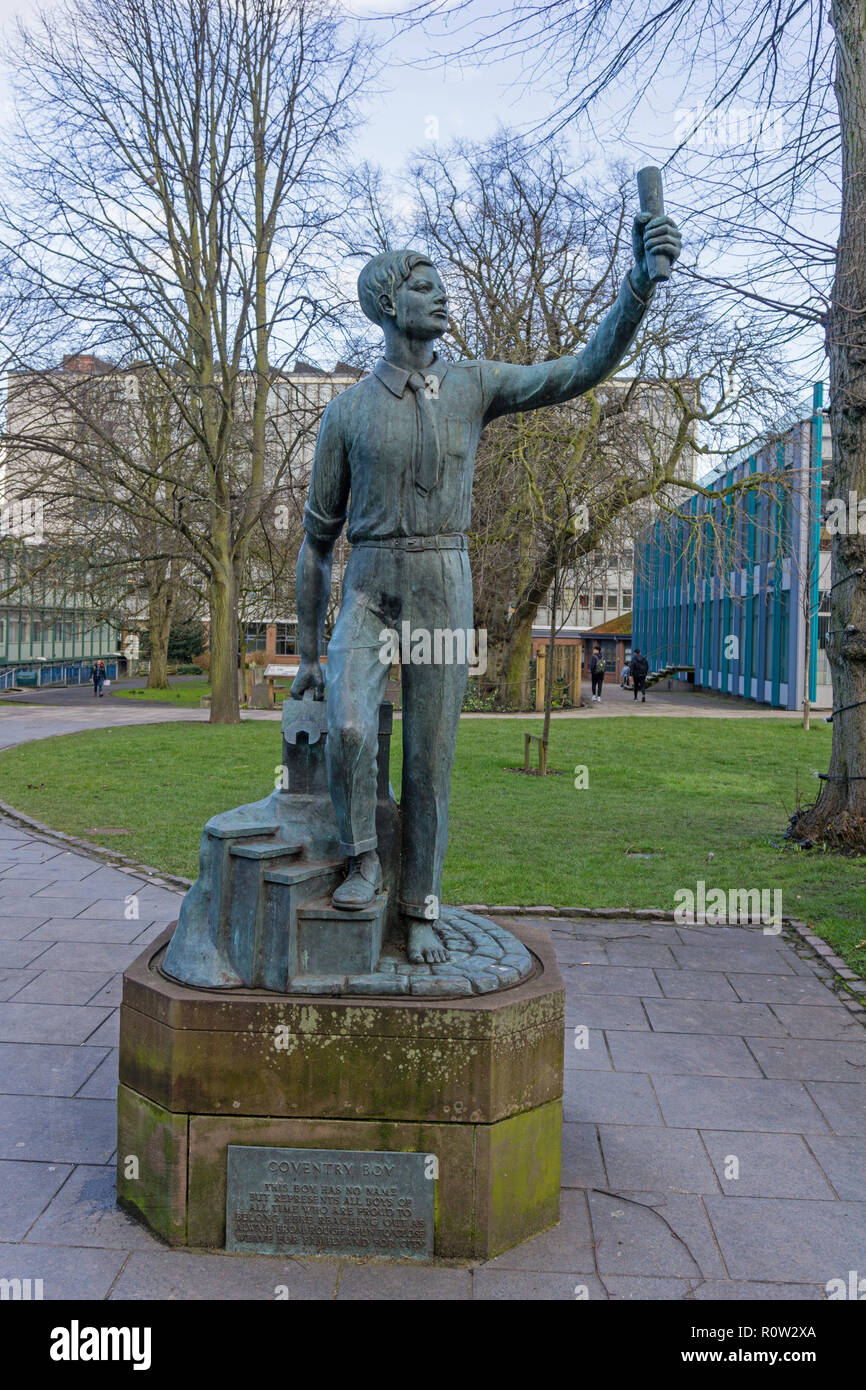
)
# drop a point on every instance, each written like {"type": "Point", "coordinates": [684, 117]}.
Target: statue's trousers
{"type": "Point", "coordinates": [422, 601]}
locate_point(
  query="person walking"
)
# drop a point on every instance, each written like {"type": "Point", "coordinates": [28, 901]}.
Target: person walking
{"type": "Point", "coordinates": [623, 676]}
{"type": "Point", "coordinates": [103, 676]}
{"type": "Point", "coordinates": [639, 672]}
{"type": "Point", "coordinates": [597, 668]}
{"type": "Point", "coordinates": [94, 676]}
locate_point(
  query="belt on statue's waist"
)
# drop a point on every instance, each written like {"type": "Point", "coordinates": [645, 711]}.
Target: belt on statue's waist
{"type": "Point", "coordinates": [454, 541]}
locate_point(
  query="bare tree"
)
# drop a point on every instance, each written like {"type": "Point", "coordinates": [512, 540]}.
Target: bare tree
{"type": "Point", "coordinates": [173, 177]}
{"type": "Point", "coordinates": [801, 67]}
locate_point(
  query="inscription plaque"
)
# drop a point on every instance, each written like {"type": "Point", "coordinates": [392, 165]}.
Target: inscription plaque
{"type": "Point", "coordinates": [330, 1202]}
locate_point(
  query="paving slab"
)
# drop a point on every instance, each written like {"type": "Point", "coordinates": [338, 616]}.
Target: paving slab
{"type": "Point", "coordinates": [734, 1291]}
{"type": "Point", "coordinates": [637, 1290]}
{"type": "Point", "coordinates": [605, 1011]}
{"type": "Point", "coordinates": [86, 929]}
{"type": "Point", "coordinates": [615, 1097]}
{"type": "Point", "coordinates": [809, 1060]}
{"type": "Point", "coordinates": [711, 1016]}
{"type": "Point", "coordinates": [684, 1054]}
{"type": "Point", "coordinates": [14, 955]}
{"type": "Point", "coordinates": [12, 981]}
{"type": "Point", "coordinates": [766, 1165]}
{"type": "Point", "coordinates": [46, 1069]}
{"type": "Point", "coordinates": [150, 905]}
{"type": "Point", "coordinates": [527, 1286]}
{"type": "Point", "coordinates": [57, 1129]}
{"type": "Point", "coordinates": [667, 1236]}
{"type": "Point", "coordinates": [107, 1033]}
{"type": "Point", "coordinates": [63, 987]}
{"type": "Point", "coordinates": [818, 1021]}
{"type": "Point", "coordinates": [67, 1274]}
{"type": "Point", "coordinates": [781, 989]}
{"type": "Point", "coordinates": [25, 1191]}
{"type": "Point", "coordinates": [613, 979]}
{"type": "Point", "coordinates": [592, 1053]}
{"type": "Point", "coordinates": [649, 953]}
{"type": "Point", "coordinates": [190, 1275]}
{"type": "Point", "coordinates": [582, 1164]}
{"type": "Point", "coordinates": [844, 1162]}
{"type": "Point", "coordinates": [696, 984]}
{"type": "Point", "coordinates": [46, 1023]}
{"type": "Point", "coordinates": [85, 955]}
{"type": "Point", "coordinates": [843, 1103]}
{"type": "Point", "coordinates": [716, 1102]}
{"type": "Point", "coordinates": [17, 927]}
{"type": "Point", "coordinates": [638, 1157]}
{"type": "Point", "coordinates": [733, 959]}
{"type": "Point", "coordinates": [789, 1240]}
{"type": "Point", "coordinates": [102, 1084]}
{"type": "Point", "coordinates": [403, 1282]}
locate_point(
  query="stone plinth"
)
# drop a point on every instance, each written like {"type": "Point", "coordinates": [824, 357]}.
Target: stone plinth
{"type": "Point", "coordinates": [477, 1081]}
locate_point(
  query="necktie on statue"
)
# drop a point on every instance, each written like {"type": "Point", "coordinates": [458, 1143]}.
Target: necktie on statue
{"type": "Point", "coordinates": [426, 437]}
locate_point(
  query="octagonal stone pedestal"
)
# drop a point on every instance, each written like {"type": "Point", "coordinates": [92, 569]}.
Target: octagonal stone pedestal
{"type": "Point", "coordinates": [476, 1081]}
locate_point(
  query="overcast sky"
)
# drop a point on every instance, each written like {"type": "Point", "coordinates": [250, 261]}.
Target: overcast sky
{"type": "Point", "coordinates": [432, 100]}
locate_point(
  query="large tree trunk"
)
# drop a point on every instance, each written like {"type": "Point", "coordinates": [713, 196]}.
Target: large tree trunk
{"type": "Point", "coordinates": [514, 666]}
{"type": "Point", "coordinates": [224, 704]}
{"type": "Point", "coordinates": [160, 609]}
{"type": "Point", "coordinates": [839, 816]}
{"type": "Point", "coordinates": [161, 594]}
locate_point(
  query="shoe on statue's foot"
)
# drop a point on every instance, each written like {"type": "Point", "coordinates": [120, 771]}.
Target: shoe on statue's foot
{"type": "Point", "coordinates": [424, 946]}
{"type": "Point", "coordinates": [362, 882]}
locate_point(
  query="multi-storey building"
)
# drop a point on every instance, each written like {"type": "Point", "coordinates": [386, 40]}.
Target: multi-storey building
{"type": "Point", "coordinates": [737, 597]}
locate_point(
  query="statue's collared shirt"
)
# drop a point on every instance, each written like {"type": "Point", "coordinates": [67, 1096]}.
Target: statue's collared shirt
{"type": "Point", "coordinates": [368, 439]}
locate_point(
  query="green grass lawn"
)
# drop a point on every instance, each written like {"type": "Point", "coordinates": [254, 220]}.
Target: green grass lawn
{"type": "Point", "coordinates": [709, 799]}
{"type": "Point", "coordinates": [188, 692]}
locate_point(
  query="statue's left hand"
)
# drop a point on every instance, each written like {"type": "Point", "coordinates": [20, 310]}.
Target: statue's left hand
{"type": "Point", "coordinates": [652, 236]}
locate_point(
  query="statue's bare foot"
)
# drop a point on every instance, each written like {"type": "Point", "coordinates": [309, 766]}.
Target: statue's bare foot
{"type": "Point", "coordinates": [425, 948]}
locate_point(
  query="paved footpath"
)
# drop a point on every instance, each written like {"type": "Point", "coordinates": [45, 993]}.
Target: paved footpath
{"type": "Point", "coordinates": [715, 1124]}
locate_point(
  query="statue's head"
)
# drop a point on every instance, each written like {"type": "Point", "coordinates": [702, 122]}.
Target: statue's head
{"type": "Point", "coordinates": [403, 289]}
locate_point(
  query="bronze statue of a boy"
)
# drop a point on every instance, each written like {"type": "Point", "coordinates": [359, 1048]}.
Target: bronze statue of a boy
{"type": "Point", "coordinates": [395, 457]}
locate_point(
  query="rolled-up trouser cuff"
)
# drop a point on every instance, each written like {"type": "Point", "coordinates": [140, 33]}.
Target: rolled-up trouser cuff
{"type": "Point", "coordinates": [360, 846]}
{"type": "Point", "coordinates": [418, 910]}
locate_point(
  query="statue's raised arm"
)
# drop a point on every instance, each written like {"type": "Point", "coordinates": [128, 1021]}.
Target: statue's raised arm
{"type": "Point", "coordinates": [508, 387]}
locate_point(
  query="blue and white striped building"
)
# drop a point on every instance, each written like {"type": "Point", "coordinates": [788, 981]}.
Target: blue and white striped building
{"type": "Point", "coordinates": [730, 598]}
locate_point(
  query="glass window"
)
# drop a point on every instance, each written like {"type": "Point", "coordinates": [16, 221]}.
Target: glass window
{"type": "Point", "coordinates": [287, 639]}
{"type": "Point", "coordinates": [256, 637]}
{"type": "Point", "coordinates": [626, 598]}
{"type": "Point", "coordinates": [768, 640]}
{"type": "Point", "coordinates": [598, 600]}
{"type": "Point", "coordinates": [584, 600]}
{"type": "Point", "coordinates": [611, 599]}
{"type": "Point", "coordinates": [784, 620]}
